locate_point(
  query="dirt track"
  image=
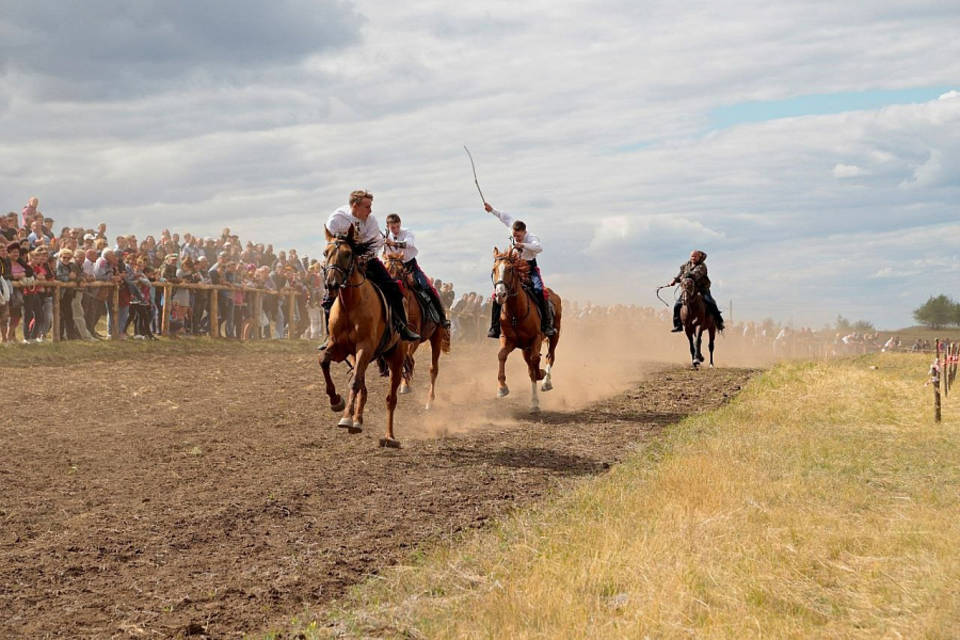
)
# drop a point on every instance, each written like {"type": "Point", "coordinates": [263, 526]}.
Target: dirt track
{"type": "Point", "coordinates": [136, 502]}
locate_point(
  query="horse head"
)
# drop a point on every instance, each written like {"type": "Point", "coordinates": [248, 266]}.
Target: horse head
{"type": "Point", "coordinates": [689, 289]}
{"type": "Point", "coordinates": [509, 270]}
{"type": "Point", "coordinates": [340, 258]}
{"type": "Point", "coordinates": [396, 268]}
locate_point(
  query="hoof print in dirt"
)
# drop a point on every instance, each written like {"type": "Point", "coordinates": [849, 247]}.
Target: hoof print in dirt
{"type": "Point", "coordinates": [389, 443]}
{"type": "Point", "coordinates": [195, 629]}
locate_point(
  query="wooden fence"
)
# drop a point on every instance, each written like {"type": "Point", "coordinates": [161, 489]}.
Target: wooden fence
{"type": "Point", "coordinates": [943, 373]}
{"type": "Point", "coordinates": [167, 288]}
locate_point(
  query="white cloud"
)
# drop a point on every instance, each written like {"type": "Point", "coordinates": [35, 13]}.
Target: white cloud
{"type": "Point", "coordinates": [846, 171]}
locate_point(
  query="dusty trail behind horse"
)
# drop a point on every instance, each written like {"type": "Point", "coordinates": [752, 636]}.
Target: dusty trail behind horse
{"type": "Point", "coordinates": [214, 492]}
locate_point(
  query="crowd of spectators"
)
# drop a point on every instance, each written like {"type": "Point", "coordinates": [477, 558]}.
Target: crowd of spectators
{"type": "Point", "coordinates": [33, 254]}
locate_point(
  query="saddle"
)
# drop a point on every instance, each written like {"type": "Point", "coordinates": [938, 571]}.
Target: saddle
{"type": "Point", "coordinates": [548, 304]}
{"type": "Point", "coordinates": [388, 330]}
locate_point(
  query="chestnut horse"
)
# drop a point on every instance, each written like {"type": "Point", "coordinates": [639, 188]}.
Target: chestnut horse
{"type": "Point", "coordinates": [426, 328]}
{"type": "Point", "coordinates": [360, 329]}
{"type": "Point", "coordinates": [696, 319]}
{"type": "Point", "coordinates": [520, 323]}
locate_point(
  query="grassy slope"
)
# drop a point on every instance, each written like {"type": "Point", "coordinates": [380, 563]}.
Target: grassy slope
{"type": "Point", "coordinates": [823, 502]}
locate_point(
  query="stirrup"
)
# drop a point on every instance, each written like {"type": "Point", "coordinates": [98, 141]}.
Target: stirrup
{"type": "Point", "coordinates": [676, 330]}
{"type": "Point", "coordinates": [494, 332]}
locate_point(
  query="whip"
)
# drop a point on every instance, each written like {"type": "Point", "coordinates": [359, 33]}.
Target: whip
{"type": "Point", "coordinates": [474, 167]}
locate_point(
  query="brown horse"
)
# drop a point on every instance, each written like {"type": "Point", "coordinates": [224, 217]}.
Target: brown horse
{"type": "Point", "coordinates": [429, 331]}
{"type": "Point", "coordinates": [520, 323]}
{"type": "Point", "coordinates": [696, 319]}
{"type": "Point", "coordinates": [360, 329]}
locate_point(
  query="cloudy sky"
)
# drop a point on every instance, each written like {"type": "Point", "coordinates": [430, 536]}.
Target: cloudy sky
{"type": "Point", "coordinates": [812, 149]}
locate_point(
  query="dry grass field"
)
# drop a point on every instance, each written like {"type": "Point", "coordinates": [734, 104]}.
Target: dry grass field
{"type": "Point", "coordinates": [823, 502]}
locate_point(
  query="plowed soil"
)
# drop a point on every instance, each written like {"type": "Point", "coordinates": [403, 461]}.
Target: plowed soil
{"type": "Point", "coordinates": [213, 496]}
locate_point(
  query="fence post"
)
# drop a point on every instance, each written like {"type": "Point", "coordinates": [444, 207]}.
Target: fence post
{"type": "Point", "coordinates": [115, 317]}
{"type": "Point", "coordinates": [291, 306]}
{"type": "Point", "coordinates": [56, 314]}
{"type": "Point", "coordinates": [165, 319]}
{"type": "Point", "coordinates": [214, 313]}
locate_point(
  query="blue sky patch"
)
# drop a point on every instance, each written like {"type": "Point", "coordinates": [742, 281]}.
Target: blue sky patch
{"type": "Point", "coordinates": [819, 104]}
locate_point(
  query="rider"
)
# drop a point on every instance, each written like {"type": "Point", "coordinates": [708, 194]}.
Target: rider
{"type": "Point", "coordinates": [402, 239]}
{"type": "Point", "coordinates": [529, 246]}
{"type": "Point", "coordinates": [696, 269]}
{"type": "Point", "coordinates": [357, 214]}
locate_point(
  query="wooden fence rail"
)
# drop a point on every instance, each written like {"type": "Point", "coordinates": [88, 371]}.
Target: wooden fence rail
{"type": "Point", "coordinates": [167, 287]}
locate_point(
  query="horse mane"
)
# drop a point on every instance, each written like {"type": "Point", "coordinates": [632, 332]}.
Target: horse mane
{"type": "Point", "coordinates": [518, 263]}
{"type": "Point", "coordinates": [359, 248]}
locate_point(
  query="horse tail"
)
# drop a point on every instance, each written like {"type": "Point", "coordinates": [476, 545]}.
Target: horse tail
{"type": "Point", "coordinates": [444, 339]}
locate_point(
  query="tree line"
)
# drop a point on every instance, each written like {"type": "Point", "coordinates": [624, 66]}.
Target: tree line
{"type": "Point", "coordinates": [938, 312]}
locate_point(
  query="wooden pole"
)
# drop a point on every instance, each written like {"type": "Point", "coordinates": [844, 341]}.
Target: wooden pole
{"type": "Point", "coordinates": [291, 306]}
{"type": "Point", "coordinates": [56, 314]}
{"type": "Point", "coordinates": [214, 314]}
{"type": "Point", "coordinates": [165, 320]}
{"type": "Point", "coordinates": [115, 302]}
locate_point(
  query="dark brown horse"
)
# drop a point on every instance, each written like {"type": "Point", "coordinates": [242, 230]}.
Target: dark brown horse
{"type": "Point", "coordinates": [359, 329]}
{"type": "Point", "coordinates": [429, 331]}
{"type": "Point", "coordinates": [520, 323]}
{"type": "Point", "coordinates": [696, 319]}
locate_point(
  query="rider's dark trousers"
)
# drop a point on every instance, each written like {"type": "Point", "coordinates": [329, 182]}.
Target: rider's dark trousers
{"type": "Point", "coordinates": [377, 274]}
{"type": "Point", "coordinates": [424, 285]}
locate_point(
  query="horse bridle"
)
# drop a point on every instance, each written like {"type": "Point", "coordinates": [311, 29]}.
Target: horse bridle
{"type": "Point", "coordinates": [510, 293]}
{"type": "Point", "coordinates": [345, 272]}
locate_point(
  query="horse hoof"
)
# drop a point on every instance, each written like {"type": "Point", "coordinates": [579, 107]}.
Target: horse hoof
{"type": "Point", "coordinates": [340, 406]}
{"type": "Point", "coordinates": [546, 386]}
{"type": "Point", "coordinates": [404, 391]}
{"type": "Point", "coordinates": [346, 423]}
{"type": "Point", "coordinates": [711, 365]}
{"type": "Point", "coordinates": [534, 409]}
{"type": "Point", "coordinates": [428, 407]}
{"type": "Point", "coordinates": [356, 428]}
{"type": "Point", "coordinates": [390, 443]}
{"type": "Point", "coordinates": [503, 392]}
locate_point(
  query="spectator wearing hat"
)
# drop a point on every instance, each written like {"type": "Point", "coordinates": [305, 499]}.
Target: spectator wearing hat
{"type": "Point", "coordinates": [64, 271]}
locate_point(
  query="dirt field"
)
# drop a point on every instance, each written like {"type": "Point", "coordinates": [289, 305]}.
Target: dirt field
{"type": "Point", "coordinates": [208, 495]}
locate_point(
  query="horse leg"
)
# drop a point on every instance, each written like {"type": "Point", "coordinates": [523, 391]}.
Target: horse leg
{"type": "Point", "coordinates": [358, 383]}
{"type": "Point", "coordinates": [693, 349]}
{"type": "Point", "coordinates": [435, 347]}
{"type": "Point", "coordinates": [699, 343]}
{"type": "Point", "coordinates": [404, 376]}
{"type": "Point", "coordinates": [396, 370]}
{"type": "Point", "coordinates": [551, 350]}
{"type": "Point", "coordinates": [505, 349]}
{"type": "Point", "coordinates": [336, 402]}
{"type": "Point", "coordinates": [532, 356]}
{"type": "Point", "coordinates": [713, 333]}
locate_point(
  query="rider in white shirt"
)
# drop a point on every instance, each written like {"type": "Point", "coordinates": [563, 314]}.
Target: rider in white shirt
{"type": "Point", "coordinates": [403, 241]}
{"type": "Point", "coordinates": [529, 246]}
{"type": "Point", "coordinates": [358, 215]}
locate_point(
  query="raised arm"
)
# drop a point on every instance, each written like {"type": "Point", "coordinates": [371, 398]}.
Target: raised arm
{"type": "Point", "coordinates": [505, 218]}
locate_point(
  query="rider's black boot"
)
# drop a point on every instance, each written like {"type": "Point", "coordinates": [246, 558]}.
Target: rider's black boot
{"type": "Point", "coordinates": [677, 327]}
{"type": "Point", "coordinates": [546, 318]}
{"type": "Point", "coordinates": [438, 306]}
{"type": "Point", "coordinates": [494, 321]}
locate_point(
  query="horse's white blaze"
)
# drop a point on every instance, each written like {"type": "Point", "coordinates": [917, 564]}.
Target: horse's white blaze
{"type": "Point", "coordinates": [500, 289]}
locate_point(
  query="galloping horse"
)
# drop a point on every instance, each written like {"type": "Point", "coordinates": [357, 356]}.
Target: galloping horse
{"type": "Point", "coordinates": [520, 323]}
{"type": "Point", "coordinates": [428, 330]}
{"type": "Point", "coordinates": [696, 318]}
{"type": "Point", "coordinates": [360, 328]}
